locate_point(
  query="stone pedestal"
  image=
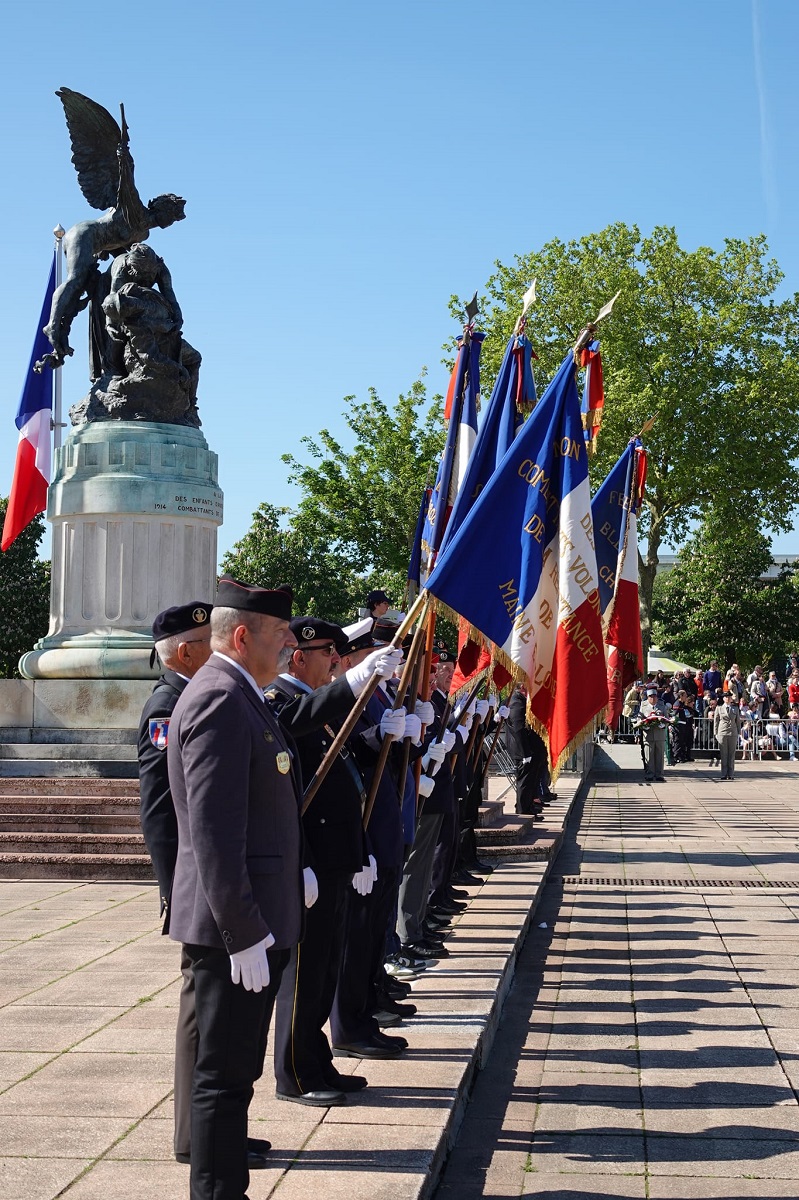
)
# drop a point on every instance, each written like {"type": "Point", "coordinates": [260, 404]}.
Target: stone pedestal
{"type": "Point", "coordinates": [135, 507]}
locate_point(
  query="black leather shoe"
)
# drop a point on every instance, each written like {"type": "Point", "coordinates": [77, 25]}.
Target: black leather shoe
{"type": "Point", "coordinates": [391, 1040]}
{"type": "Point", "coordinates": [321, 1099]}
{"type": "Point", "coordinates": [479, 867]}
{"type": "Point", "coordinates": [258, 1146]}
{"type": "Point", "coordinates": [450, 908]}
{"type": "Point", "coordinates": [401, 1011]}
{"type": "Point", "coordinates": [370, 1049]}
{"type": "Point", "coordinates": [255, 1161]}
{"type": "Point", "coordinates": [385, 1018]}
{"type": "Point", "coordinates": [465, 879]}
{"type": "Point", "coordinates": [397, 989]}
{"type": "Point", "coordinates": [345, 1083]}
{"type": "Point", "coordinates": [456, 895]}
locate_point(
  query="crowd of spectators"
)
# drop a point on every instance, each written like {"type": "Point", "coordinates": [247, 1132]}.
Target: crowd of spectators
{"type": "Point", "coordinates": [768, 708]}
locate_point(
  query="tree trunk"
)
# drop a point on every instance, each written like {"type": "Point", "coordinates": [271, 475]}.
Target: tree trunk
{"type": "Point", "coordinates": [647, 569]}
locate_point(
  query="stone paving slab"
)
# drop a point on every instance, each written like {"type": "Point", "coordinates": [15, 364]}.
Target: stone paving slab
{"type": "Point", "coordinates": [89, 999]}
{"type": "Point", "coordinates": [662, 1002]}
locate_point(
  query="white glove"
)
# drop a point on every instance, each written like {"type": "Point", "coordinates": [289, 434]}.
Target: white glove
{"type": "Point", "coordinates": [449, 739]}
{"type": "Point", "coordinates": [364, 880]}
{"type": "Point", "coordinates": [426, 785]}
{"type": "Point", "coordinates": [425, 712]}
{"type": "Point", "coordinates": [392, 723]}
{"type": "Point", "coordinates": [472, 709]}
{"type": "Point", "coordinates": [481, 708]}
{"type": "Point", "coordinates": [436, 753]}
{"type": "Point", "coordinates": [311, 885]}
{"type": "Point", "coordinates": [382, 662]}
{"type": "Point", "coordinates": [250, 967]}
{"type": "Point", "coordinates": [463, 730]}
{"type": "Point", "coordinates": [503, 712]}
{"type": "Point", "coordinates": [413, 728]}
{"type": "Point", "coordinates": [493, 701]}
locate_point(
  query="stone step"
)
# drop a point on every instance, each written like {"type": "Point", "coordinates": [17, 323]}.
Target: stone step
{"type": "Point", "coordinates": [504, 830]}
{"type": "Point", "coordinates": [119, 867]}
{"type": "Point", "coordinates": [51, 734]}
{"type": "Point", "coordinates": [60, 750]}
{"type": "Point", "coordinates": [535, 847]}
{"type": "Point", "coordinates": [489, 812]}
{"type": "Point", "coordinates": [52, 768]}
{"type": "Point", "coordinates": [28, 806]}
{"type": "Point", "coordinates": [73, 843]}
{"type": "Point", "coordinates": [70, 823]}
{"type": "Point", "coordinates": [81, 786]}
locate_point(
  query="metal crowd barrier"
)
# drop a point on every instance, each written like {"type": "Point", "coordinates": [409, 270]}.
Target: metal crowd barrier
{"type": "Point", "coordinates": [775, 738]}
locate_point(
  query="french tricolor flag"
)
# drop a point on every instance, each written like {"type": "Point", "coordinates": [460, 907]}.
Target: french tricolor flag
{"type": "Point", "coordinates": [615, 514]}
{"type": "Point", "coordinates": [522, 570]}
{"type": "Point", "coordinates": [32, 470]}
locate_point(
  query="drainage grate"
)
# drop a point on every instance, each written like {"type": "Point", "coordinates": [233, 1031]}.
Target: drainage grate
{"type": "Point", "coordinates": [600, 881]}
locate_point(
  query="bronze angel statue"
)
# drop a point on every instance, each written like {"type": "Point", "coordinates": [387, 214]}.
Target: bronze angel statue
{"type": "Point", "coordinates": [105, 173]}
{"type": "Point", "coordinates": [140, 366]}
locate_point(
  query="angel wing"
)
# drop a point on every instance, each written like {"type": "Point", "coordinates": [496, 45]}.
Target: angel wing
{"type": "Point", "coordinates": [99, 152]}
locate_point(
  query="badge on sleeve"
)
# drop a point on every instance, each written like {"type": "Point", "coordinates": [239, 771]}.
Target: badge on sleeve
{"type": "Point", "coordinates": [159, 732]}
{"type": "Point", "coordinates": [283, 762]}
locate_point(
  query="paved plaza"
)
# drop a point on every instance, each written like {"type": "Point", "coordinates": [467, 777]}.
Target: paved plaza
{"type": "Point", "coordinates": [648, 1046]}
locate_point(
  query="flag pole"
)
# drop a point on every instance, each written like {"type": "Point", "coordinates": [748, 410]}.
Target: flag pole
{"type": "Point", "coordinates": [57, 424]}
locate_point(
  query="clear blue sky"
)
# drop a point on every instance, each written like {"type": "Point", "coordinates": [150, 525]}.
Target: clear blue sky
{"type": "Point", "coordinates": [347, 167]}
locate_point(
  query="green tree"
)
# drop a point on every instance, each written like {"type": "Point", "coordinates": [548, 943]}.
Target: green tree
{"type": "Point", "coordinates": [715, 602]}
{"type": "Point", "coordinates": [362, 504]}
{"type": "Point", "coordinates": [697, 337]}
{"type": "Point", "coordinates": [24, 595]}
{"type": "Point", "coordinates": [272, 552]}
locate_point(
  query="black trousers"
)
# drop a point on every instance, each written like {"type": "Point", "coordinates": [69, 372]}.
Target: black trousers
{"type": "Point", "coordinates": [185, 1057]}
{"type": "Point", "coordinates": [302, 1051]}
{"type": "Point", "coordinates": [367, 917]}
{"type": "Point", "coordinates": [445, 855]}
{"type": "Point", "coordinates": [232, 1028]}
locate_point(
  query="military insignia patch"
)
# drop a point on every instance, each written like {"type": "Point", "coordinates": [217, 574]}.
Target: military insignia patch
{"type": "Point", "coordinates": [200, 616]}
{"type": "Point", "coordinates": [308, 633]}
{"type": "Point", "coordinates": [283, 762]}
{"type": "Point", "coordinates": [159, 732]}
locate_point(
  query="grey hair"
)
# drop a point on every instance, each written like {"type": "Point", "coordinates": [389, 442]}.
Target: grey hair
{"type": "Point", "coordinates": [225, 620]}
{"type": "Point", "coordinates": [167, 647]}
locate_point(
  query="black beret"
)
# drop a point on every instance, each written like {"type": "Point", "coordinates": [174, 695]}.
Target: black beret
{"type": "Point", "coordinates": [180, 619]}
{"type": "Point", "coordinates": [232, 593]}
{"type": "Point", "coordinates": [383, 631]}
{"type": "Point", "coordinates": [312, 629]}
{"type": "Point", "coordinates": [376, 597]}
{"type": "Point", "coordinates": [445, 655]}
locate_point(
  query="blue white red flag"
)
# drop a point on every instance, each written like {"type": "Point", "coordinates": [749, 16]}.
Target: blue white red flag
{"type": "Point", "coordinates": [593, 392]}
{"type": "Point", "coordinates": [28, 494]}
{"type": "Point", "coordinates": [522, 570]}
{"type": "Point", "coordinates": [461, 413]}
{"type": "Point", "coordinates": [513, 394]}
{"type": "Point", "coordinates": [615, 512]}
{"type": "Point", "coordinates": [415, 563]}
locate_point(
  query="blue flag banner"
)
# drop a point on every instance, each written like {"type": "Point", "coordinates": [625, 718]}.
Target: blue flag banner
{"type": "Point", "coordinates": [461, 435]}
{"type": "Point", "coordinates": [522, 570]}
{"type": "Point", "coordinates": [514, 389]}
{"type": "Point", "coordinates": [415, 564]}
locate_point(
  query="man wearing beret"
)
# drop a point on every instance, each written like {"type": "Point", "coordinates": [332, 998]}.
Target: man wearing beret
{"type": "Point", "coordinates": [182, 637]}
{"type": "Point", "coordinates": [237, 895]}
{"type": "Point", "coordinates": [312, 709]}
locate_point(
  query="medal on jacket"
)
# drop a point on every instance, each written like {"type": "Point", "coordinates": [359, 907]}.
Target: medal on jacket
{"type": "Point", "coordinates": [283, 762]}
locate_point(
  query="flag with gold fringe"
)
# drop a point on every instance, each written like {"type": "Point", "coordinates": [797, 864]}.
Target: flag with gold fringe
{"type": "Point", "coordinates": [522, 570]}
{"type": "Point", "coordinates": [615, 510]}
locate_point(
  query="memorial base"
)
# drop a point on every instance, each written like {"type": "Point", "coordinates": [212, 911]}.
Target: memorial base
{"type": "Point", "coordinates": [135, 507]}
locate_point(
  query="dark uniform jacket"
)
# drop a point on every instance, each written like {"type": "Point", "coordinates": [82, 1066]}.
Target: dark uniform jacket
{"type": "Point", "coordinates": [442, 798]}
{"type": "Point", "coordinates": [158, 821]}
{"type": "Point", "coordinates": [385, 828]}
{"type": "Point", "coordinates": [332, 823]}
{"type": "Point", "coordinates": [235, 782]}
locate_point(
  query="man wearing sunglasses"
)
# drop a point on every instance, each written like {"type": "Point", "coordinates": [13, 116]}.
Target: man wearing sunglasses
{"type": "Point", "coordinates": [312, 709]}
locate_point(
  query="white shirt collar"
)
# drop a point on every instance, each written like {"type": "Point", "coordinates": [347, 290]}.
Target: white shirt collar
{"type": "Point", "coordinates": [258, 691]}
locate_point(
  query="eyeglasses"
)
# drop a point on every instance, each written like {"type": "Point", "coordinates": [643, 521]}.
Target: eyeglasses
{"type": "Point", "coordinates": [329, 649]}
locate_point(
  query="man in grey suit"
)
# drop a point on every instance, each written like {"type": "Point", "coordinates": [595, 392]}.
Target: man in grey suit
{"type": "Point", "coordinates": [237, 895]}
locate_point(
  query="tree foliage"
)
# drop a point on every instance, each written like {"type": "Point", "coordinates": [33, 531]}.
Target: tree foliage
{"type": "Point", "coordinates": [24, 595]}
{"type": "Point", "coordinates": [715, 604]}
{"type": "Point", "coordinates": [696, 337]}
{"type": "Point", "coordinates": [362, 504]}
